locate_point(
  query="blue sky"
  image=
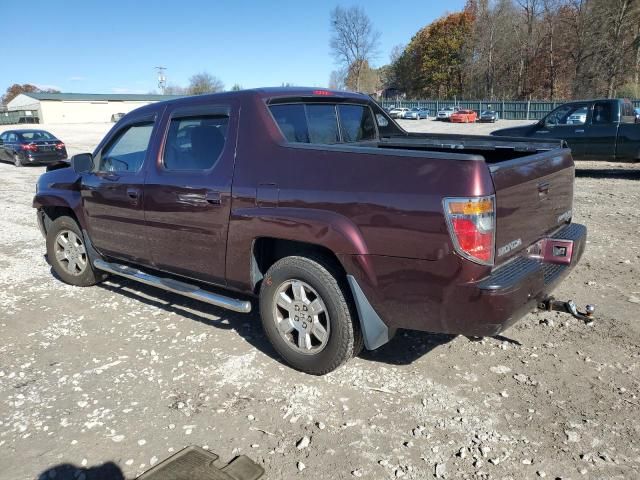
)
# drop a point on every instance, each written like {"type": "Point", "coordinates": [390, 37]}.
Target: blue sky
{"type": "Point", "coordinates": [112, 46]}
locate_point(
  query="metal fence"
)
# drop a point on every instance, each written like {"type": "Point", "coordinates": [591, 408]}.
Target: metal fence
{"type": "Point", "coordinates": [507, 110]}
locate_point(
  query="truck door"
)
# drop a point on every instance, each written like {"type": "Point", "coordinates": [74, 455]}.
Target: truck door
{"type": "Point", "coordinates": [112, 191]}
{"type": "Point", "coordinates": [188, 191]}
{"type": "Point", "coordinates": [567, 123]}
{"type": "Point", "coordinates": [601, 131]}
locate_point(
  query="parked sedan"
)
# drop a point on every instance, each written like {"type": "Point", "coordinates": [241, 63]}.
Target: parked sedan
{"type": "Point", "coordinates": [416, 114]}
{"type": "Point", "coordinates": [22, 147]}
{"type": "Point", "coordinates": [464, 116]}
{"type": "Point", "coordinates": [398, 112]}
{"type": "Point", "coordinates": [488, 116]}
{"type": "Point", "coordinates": [446, 112]}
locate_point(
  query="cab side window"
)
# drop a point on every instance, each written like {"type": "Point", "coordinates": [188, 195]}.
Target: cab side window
{"type": "Point", "coordinates": [127, 151]}
{"type": "Point", "coordinates": [195, 142]}
{"type": "Point", "coordinates": [602, 113]}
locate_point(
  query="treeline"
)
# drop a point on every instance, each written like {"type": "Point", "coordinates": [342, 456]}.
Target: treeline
{"type": "Point", "coordinates": [519, 49]}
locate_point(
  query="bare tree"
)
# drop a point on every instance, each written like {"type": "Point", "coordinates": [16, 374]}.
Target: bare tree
{"type": "Point", "coordinates": [175, 90]}
{"type": "Point", "coordinates": [354, 42]}
{"type": "Point", "coordinates": [204, 83]}
{"type": "Point", "coordinates": [337, 79]}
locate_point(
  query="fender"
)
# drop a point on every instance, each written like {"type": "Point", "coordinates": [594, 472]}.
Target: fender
{"type": "Point", "coordinates": [320, 227]}
{"type": "Point", "coordinates": [60, 188]}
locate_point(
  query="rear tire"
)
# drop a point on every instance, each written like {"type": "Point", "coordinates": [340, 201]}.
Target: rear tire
{"type": "Point", "coordinates": [17, 161]}
{"type": "Point", "coordinates": [308, 316]}
{"type": "Point", "coordinates": [67, 253]}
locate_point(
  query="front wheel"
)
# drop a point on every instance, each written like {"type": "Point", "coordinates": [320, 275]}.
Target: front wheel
{"type": "Point", "coordinates": [307, 316]}
{"type": "Point", "coordinates": [67, 253]}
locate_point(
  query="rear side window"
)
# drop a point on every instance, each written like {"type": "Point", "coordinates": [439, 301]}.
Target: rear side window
{"type": "Point", "coordinates": [195, 143]}
{"type": "Point", "coordinates": [602, 113]}
{"type": "Point", "coordinates": [357, 123]}
{"type": "Point", "coordinates": [127, 151]}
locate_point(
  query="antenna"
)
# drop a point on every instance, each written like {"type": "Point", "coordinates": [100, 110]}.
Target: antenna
{"type": "Point", "coordinates": [162, 79]}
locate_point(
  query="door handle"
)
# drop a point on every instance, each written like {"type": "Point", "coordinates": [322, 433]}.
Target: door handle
{"type": "Point", "coordinates": [200, 199]}
{"type": "Point", "coordinates": [580, 131]}
{"type": "Point", "coordinates": [214, 198]}
{"type": "Point", "coordinates": [133, 194]}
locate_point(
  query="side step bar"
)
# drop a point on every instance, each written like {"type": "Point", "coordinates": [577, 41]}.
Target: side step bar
{"type": "Point", "coordinates": [175, 286]}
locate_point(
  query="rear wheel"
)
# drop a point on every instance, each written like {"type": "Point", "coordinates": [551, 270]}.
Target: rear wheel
{"type": "Point", "coordinates": [67, 253]}
{"type": "Point", "coordinates": [307, 315]}
{"type": "Point", "coordinates": [17, 161]}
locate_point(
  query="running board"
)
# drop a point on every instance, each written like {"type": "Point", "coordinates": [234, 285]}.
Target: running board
{"type": "Point", "coordinates": [175, 286]}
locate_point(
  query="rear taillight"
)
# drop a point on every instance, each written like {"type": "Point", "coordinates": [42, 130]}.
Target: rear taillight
{"type": "Point", "coordinates": [59, 145]}
{"type": "Point", "coordinates": [471, 223]}
{"type": "Point", "coordinates": [29, 147]}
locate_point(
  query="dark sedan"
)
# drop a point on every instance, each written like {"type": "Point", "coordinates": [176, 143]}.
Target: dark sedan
{"type": "Point", "coordinates": [488, 116]}
{"type": "Point", "coordinates": [24, 147]}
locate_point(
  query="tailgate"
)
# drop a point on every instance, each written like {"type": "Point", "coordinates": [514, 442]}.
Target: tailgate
{"type": "Point", "coordinates": [534, 197]}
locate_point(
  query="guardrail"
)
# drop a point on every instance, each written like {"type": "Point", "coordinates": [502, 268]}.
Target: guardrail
{"type": "Point", "coordinates": [507, 110]}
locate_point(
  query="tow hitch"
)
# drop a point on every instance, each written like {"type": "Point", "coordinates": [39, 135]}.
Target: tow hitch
{"type": "Point", "coordinates": [550, 304]}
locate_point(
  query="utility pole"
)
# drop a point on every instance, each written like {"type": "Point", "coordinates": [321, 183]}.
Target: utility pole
{"type": "Point", "coordinates": [162, 79]}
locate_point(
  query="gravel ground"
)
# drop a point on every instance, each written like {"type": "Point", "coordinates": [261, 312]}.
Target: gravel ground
{"type": "Point", "coordinates": [127, 374]}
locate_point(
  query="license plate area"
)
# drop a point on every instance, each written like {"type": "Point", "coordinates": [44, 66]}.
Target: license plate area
{"type": "Point", "coordinates": [551, 250]}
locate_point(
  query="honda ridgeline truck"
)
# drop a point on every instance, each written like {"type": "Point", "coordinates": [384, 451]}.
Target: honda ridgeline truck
{"type": "Point", "coordinates": [342, 226]}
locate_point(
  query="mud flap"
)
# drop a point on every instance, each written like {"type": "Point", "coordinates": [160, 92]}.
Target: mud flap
{"type": "Point", "coordinates": [195, 463]}
{"type": "Point", "coordinates": [374, 330]}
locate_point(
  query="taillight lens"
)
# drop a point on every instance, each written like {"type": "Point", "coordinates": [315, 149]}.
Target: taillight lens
{"type": "Point", "coordinates": [59, 145]}
{"type": "Point", "coordinates": [29, 147]}
{"type": "Point", "coordinates": [471, 223]}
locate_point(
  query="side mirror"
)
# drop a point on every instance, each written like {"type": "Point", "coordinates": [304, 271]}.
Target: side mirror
{"type": "Point", "coordinates": [82, 162]}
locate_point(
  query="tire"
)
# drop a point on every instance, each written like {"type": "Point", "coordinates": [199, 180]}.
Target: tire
{"type": "Point", "coordinates": [17, 161]}
{"type": "Point", "coordinates": [65, 231]}
{"type": "Point", "coordinates": [324, 293]}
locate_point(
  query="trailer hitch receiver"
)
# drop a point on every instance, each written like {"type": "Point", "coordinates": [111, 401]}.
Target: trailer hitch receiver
{"type": "Point", "coordinates": [550, 304]}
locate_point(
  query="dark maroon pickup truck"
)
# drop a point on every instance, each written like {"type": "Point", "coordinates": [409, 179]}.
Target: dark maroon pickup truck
{"type": "Point", "coordinates": [345, 226]}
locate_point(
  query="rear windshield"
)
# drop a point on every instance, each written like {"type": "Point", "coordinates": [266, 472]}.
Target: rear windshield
{"type": "Point", "coordinates": [324, 123]}
{"type": "Point", "coordinates": [36, 135]}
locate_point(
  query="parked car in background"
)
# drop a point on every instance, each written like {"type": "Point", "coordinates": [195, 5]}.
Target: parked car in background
{"type": "Point", "coordinates": [637, 113]}
{"type": "Point", "coordinates": [489, 116]}
{"type": "Point", "coordinates": [416, 114]}
{"type": "Point", "coordinates": [464, 116]}
{"type": "Point", "coordinates": [22, 147]}
{"type": "Point", "coordinates": [116, 116]}
{"type": "Point", "coordinates": [579, 117]}
{"type": "Point", "coordinates": [398, 112]}
{"type": "Point", "coordinates": [610, 131]}
{"type": "Point", "coordinates": [446, 112]}
{"type": "Point", "coordinates": [419, 231]}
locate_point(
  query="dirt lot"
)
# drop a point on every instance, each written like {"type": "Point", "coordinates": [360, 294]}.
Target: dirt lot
{"type": "Point", "coordinates": [126, 374]}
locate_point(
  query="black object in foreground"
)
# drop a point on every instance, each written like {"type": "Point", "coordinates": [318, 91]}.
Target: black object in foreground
{"type": "Point", "coordinates": [195, 463]}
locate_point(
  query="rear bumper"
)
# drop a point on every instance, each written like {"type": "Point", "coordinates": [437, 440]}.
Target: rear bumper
{"type": "Point", "coordinates": [515, 289]}
{"type": "Point", "coordinates": [43, 158]}
{"type": "Point", "coordinates": [458, 297]}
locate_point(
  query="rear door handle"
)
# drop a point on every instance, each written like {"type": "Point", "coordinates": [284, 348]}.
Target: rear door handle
{"type": "Point", "coordinates": [214, 198]}
{"type": "Point", "coordinates": [579, 131]}
{"type": "Point", "coordinates": [200, 199]}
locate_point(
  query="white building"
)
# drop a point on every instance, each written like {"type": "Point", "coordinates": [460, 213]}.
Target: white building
{"type": "Point", "coordinates": [80, 107]}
